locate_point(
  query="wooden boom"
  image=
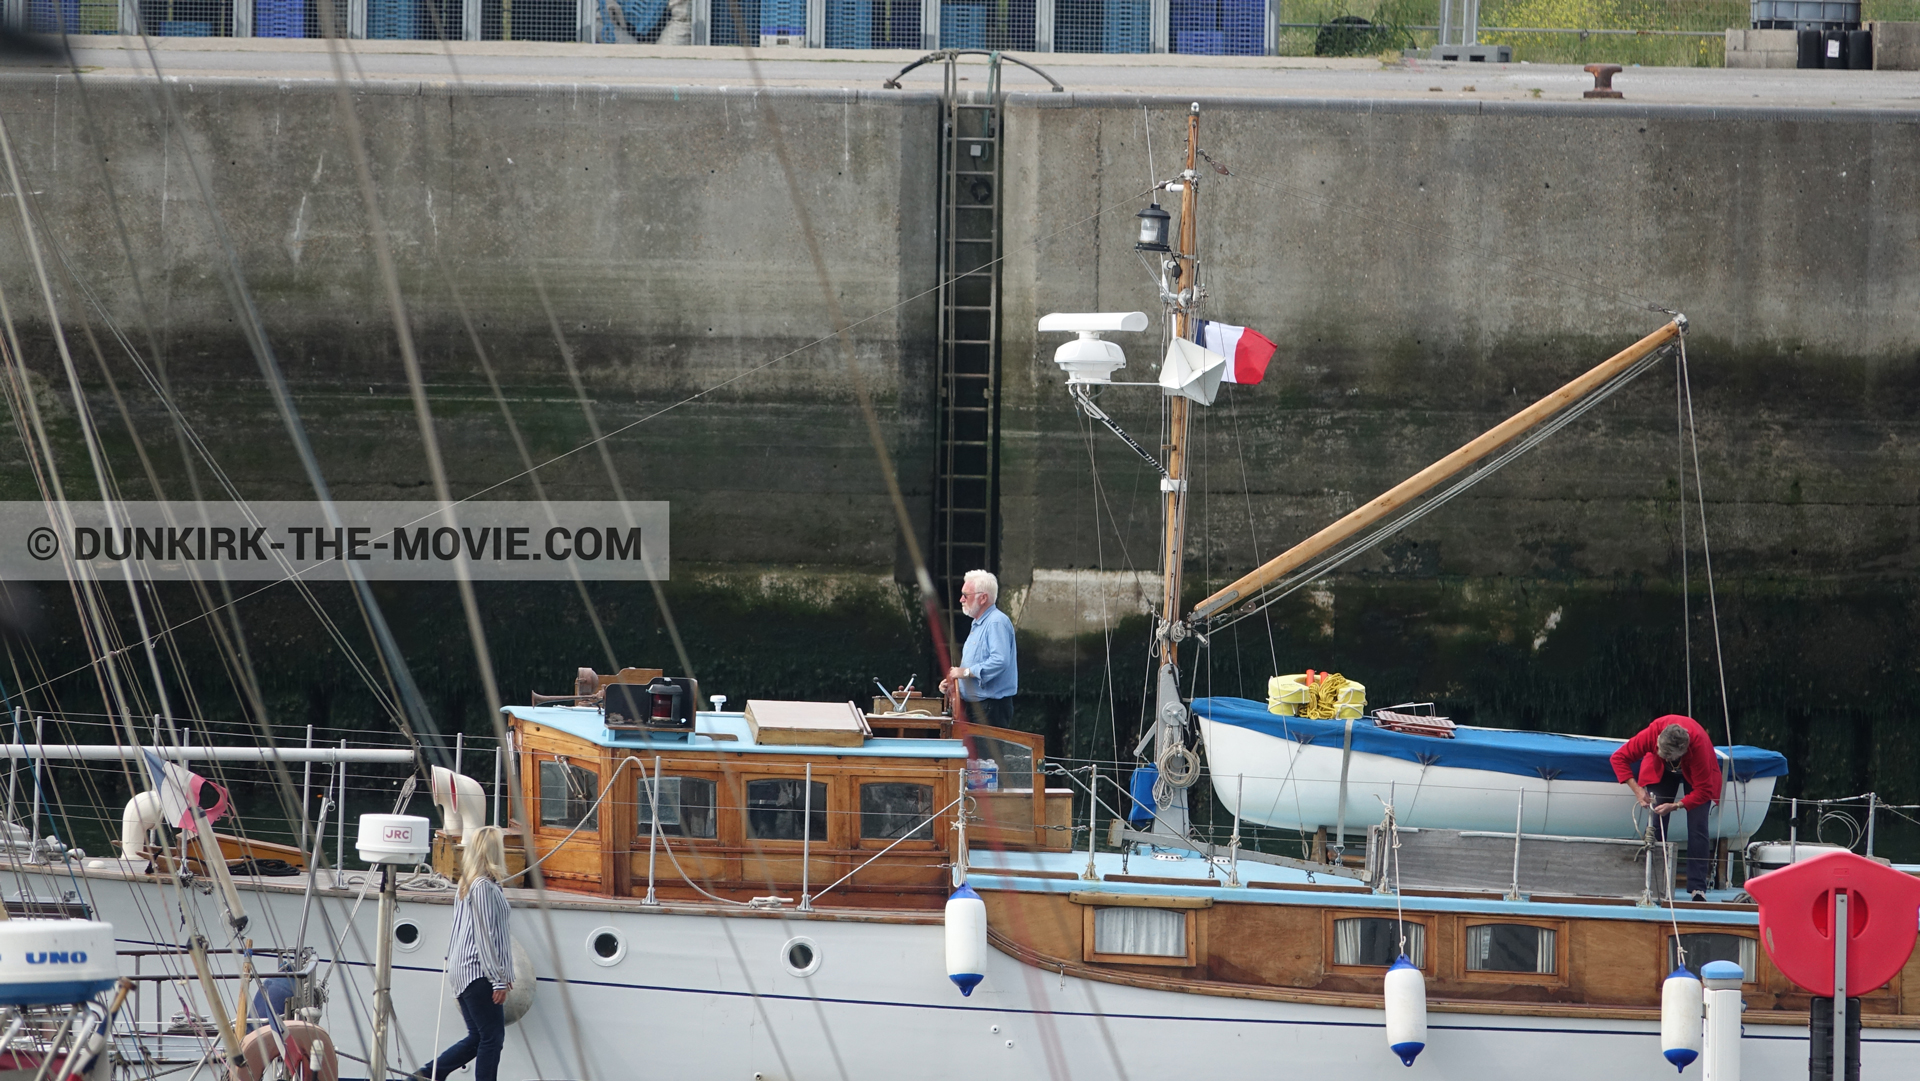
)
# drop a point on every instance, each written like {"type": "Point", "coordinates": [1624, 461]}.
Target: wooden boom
{"type": "Point", "coordinates": [1411, 488]}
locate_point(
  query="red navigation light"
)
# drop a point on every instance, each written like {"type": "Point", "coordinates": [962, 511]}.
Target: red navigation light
{"type": "Point", "coordinates": [1796, 920]}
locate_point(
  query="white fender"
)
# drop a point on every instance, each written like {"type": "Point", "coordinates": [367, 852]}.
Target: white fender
{"type": "Point", "coordinates": [1680, 1005]}
{"type": "Point", "coordinates": [1406, 1001]}
{"type": "Point", "coordinates": [520, 995]}
{"type": "Point", "coordinates": [966, 939]}
{"type": "Point", "coordinates": [462, 805]}
{"type": "Point", "coordinates": [141, 815]}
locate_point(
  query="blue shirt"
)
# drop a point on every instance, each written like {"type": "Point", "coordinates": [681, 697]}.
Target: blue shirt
{"type": "Point", "coordinates": [989, 654]}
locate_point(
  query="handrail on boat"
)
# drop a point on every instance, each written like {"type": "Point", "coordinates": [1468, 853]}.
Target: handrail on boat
{"type": "Point", "coordinates": [106, 752]}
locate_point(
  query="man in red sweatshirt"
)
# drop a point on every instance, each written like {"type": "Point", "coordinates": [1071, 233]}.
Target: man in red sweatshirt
{"type": "Point", "coordinates": [1671, 752]}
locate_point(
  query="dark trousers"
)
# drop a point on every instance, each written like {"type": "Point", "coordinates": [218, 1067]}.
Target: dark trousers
{"type": "Point", "coordinates": [1699, 846]}
{"type": "Point", "coordinates": [486, 1034]}
{"type": "Point", "coordinates": [997, 712]}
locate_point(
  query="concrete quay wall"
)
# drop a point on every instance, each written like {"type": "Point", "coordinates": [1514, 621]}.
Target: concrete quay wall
{"type": "Point", "coordinates": [1427, 267]}
{"type": "Point", "coordinates": [638, 248]}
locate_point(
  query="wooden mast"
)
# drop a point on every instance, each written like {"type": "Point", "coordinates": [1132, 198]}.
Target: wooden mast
{"type": "Point", "coordinates": [1174, 489]}
{"type": "Point", "coordinates": [1170, 714]}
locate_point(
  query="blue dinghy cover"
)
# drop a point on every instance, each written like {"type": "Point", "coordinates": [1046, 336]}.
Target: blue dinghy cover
{"type": "Point", "coordinates": [1531, 754]}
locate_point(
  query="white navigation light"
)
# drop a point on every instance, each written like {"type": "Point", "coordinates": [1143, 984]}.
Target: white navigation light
{"type": "Point", "coordinates": [1153, 229]}
{"type": "Point", "coordinates": [1089, 358]}
{"type": "Point", "coordinates": [1192, 371]}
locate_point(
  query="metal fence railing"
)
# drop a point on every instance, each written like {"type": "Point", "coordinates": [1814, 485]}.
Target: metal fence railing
{"type": "Point", "coordinates": [1567, 31]}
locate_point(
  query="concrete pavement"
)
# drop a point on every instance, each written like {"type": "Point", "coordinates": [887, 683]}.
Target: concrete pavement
{"type": "Point", "coordinates": [1154, 74]}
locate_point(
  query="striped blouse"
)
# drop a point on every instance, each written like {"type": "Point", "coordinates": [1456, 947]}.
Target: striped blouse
{"type": "Point", "coordinates": [481, 947]}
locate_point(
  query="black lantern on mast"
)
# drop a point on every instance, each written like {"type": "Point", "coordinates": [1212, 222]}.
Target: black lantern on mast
{"type": "Point", "coordinates": [1153, 229]}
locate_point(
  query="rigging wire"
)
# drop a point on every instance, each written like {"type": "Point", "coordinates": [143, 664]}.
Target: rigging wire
{"type": "Point", "coordinates": [148, 636]}
{"type": "Point", "coordinates": [1706, 547]}
{"type": "Point", "coordinates": [413, 715]}
{"type": "Point", "coordinates": [1686, 585]}
{"type": "Point", "coordinates": [1372, 537]}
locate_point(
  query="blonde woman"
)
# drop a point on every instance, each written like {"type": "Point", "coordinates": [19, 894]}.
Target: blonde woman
{"type": "Point", "coordinates": [479, 959]}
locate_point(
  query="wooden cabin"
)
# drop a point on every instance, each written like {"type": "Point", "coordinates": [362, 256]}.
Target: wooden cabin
{"type": "Point", "coordinates": [1331, 945]}
{"type": "Point", "coordinates": [746, 811]}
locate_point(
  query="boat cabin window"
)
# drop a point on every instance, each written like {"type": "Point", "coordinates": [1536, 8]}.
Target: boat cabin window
{"type": "Point", "coordinates": [1712, 946]}
{"type": "Point", "coordinates": [686, 807]}
{"type": "Point", "coordinates": [1140, 932]}
{"type": "Point", "coordinates": [1375, 942]}
{"type": "Point", "coordinates": [995, 764]}
{"type": "Point", "coordinates": [892, 810]}
{"type": "Point", "coordinates": [567, 795]}
{"type": "Point", "coordinates": [778, 810]}
{"type": "Point", "coordinates": [1511, 947]}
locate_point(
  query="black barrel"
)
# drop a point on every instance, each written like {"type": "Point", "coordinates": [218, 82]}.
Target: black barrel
{"type": "Point", "coordinates": [1835, 50]}
{"type": "Point", "coordinates": [1811, 50]}
{"type": "Point", "coordinates": [1820, 1041]}
{"type": "Point", "coordinates": [1860, 49]}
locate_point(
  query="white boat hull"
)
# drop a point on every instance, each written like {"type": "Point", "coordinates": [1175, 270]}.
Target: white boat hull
{"type": "Point", "coordinates": [699, 996]}
{"type": "Point", "coordinates": [1272, 781]}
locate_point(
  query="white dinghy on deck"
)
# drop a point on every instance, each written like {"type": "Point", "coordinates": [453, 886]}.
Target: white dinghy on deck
{"type": "Point", "coordinates": [1301, 774]}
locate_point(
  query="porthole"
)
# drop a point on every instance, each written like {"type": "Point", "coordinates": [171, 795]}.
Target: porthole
{"type": "Point", "coordinates": [606, 947]}
{"type": "Point", "coordinates": [801, 956]}
{"type": "Point", "coordinates": [407, 936]}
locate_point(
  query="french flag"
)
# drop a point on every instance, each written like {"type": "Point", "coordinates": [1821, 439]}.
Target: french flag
{"type": "Point", "coordinates": [1247, 351]}
{"type": "Point", "coordinates": [181, 790]}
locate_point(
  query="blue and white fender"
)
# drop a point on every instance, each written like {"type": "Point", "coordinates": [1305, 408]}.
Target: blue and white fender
{"type": "Point", "coordinates": [1680, 1006]}
{"type": "Point", "coordinates": [966, 939]}
{"type": "Point", "coordinates": [1406, 995]}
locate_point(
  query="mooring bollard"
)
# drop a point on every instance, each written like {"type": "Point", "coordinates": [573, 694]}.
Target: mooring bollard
{"type": "Point", "coordinates": [1720, 1055]}
{"type": "Point", "coordinates": [1603, 81]}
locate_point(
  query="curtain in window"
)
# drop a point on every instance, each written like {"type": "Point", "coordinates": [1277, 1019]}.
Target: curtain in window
{"type": "Point", "coordinates": [1373, 941]}
{"type": "Point", "coordinates": [1712, 946]}
{"type": "Point", "coordinates": [1146, 932]}
{"type": "Point", "coordinates": [1346, 941]}
{"type": "Point", "coordinates": [1511, 947]}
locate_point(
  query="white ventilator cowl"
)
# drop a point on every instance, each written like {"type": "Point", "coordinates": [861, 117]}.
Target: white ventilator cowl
{"type": "Point", "coordinates": [1406, 995]}
{"type": "Point", "coordinates": [966, 939]}
{"type": "Point", "coordinates": [1680, 1006]}
{"type": "Point", "coordinates": [462, 804]}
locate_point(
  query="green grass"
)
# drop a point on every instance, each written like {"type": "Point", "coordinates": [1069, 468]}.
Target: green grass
{"type": "Point", "coordinates": [1567, 45]}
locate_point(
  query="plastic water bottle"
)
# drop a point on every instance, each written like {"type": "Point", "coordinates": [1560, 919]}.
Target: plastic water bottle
{"type": "Point", "coordinates": [983, 775]}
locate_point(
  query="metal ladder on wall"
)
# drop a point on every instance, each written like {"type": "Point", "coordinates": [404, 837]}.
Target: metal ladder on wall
{"type": "Point", "coordinates": [966, 489]}
{"type": "Point", "coordinates": [967, 470]}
